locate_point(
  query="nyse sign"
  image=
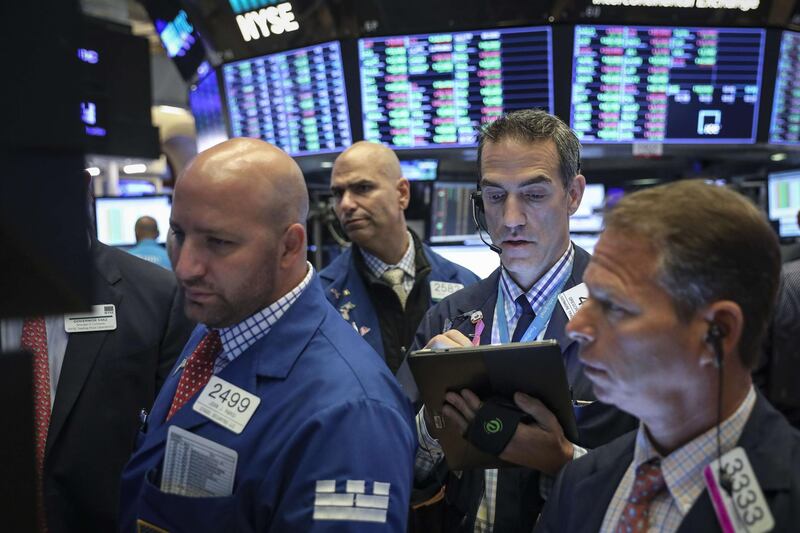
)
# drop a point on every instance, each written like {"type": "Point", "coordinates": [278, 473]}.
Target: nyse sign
{"type": "Point", "coordinates": [272, 20]}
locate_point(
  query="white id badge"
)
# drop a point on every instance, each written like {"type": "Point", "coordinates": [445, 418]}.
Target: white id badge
{"type": "Point", "coordinates": [226, 404]}
{"type": "Point", "coordinates": [442, 289]}
{"type": "Point", "coordinates": [100, 318]}
{"type": "Point", "coordinates": [745, 509]}
{"type": "Point", "coordinates": [573, 299]}
{"type": "Point", "coordinates": [197, 467]}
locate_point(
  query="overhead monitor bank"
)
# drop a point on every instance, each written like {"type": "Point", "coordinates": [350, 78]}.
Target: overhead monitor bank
{"type": "Point", "coordinates": [666, 84]}
{"type": "Point", "coordinates": [294, 99]}
{"type": "Point", "coordinates": [785, 120]}
{"type": "Point", "coordinates": [434, 90]}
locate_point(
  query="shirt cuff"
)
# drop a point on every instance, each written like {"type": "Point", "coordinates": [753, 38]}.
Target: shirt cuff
{"type": "Point", "coordinates": [426, 442]}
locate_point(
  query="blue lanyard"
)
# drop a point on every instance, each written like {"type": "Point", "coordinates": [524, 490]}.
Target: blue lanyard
{"type": "Point", "coordinates": [538, 324]}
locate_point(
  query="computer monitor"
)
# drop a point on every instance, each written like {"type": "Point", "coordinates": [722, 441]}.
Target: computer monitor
{"type": "Point", "coordinates": [205, 102]}
{"type": "Point", "coordinates": [451, 213]}
{"type": "Point", "coordinates": [589, 216]}
{"type": "Point", "coordinates": [435, 90]}
{"type": "Point", "coordinates": [476, 257]}
{"type": "Point", "coordinates": [633, 84]}
{"type": "Point", "coordinates": [116, 217]}
{"type": "Point", "coordinates": [784, 125]}
{"type": "Point", "coordinates": [419, 169]}
{"type": "Point", "coordinates": [784, 201]}
{"type": "Point", "coordinates": [295, 100]}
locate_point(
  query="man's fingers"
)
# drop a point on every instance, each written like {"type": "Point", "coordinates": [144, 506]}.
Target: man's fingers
{"type": "Point", "coordinates": [457, 337]}
{"type": "Point", "coordinates": [471, 399]}
{"type": "Point", "coordinates": [454, 417]}
{"type": "Point", "coordinates": [534, 407]}
{"type": "Point", "coordinates": [449, 339]}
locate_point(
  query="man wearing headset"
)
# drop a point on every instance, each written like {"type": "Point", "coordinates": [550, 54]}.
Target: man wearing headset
{"type": "Point", "coordinates": [530, 184]}
{"type": "Point", "coordinates": [681, 286]}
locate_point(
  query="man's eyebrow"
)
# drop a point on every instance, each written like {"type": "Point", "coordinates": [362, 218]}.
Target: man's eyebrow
{"type": "Point", "coordinates": [541, 178]}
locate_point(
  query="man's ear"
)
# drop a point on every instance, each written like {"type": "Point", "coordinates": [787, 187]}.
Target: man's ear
{"type": "Point", "coordinates": [575, 193]}
{"type": "Point", "coordinates": [723, 324]}
{"type": "Point", "coordinates": [404, 190]}
{"type": "Point", "coordinates": [294, 244]}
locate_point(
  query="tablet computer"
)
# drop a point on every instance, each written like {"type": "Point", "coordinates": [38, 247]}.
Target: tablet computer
{"type": "Point", "coordinates": [535, 368]}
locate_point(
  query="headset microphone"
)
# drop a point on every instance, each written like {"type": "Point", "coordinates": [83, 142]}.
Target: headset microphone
{"type": "Point", "coordinates": [480, 221]}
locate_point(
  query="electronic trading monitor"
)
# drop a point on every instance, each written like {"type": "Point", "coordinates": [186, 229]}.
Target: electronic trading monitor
{"type": "Point", "coordinates": [785, 124]}
{"type": "Point", "coordinates": [666, 84]}
{"type": "Point", "coordinates": [419, 169]}
{"type": "Point", "coordinates": [206, 105]}
{"type": "Point", "coordinates": [589, 216]}
{"type": "Point", "coordinates": [435, 90]}
{"type": "Point", "coordinates": [295, 99]}
{"type": "Point", "coordinates": [478, 258]}
{"type": "Point", "coordinates": [116, 217]}
{"type": "Point", "coordinates": [451, 213]}
{"type": "Point", "coordinates": [784, 201]}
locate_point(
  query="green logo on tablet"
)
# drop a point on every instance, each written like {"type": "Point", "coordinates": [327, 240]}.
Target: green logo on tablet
{"type": "Point", "coordinates": [493, 426]}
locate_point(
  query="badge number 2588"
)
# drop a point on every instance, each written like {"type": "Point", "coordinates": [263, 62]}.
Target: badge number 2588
{"type": "Point", "coordinates": [226, 404]}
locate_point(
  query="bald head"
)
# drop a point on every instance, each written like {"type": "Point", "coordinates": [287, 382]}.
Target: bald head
{"type": "Point", "coordinates": [145, 228]}
{"type": "Point", "coordinates": [238, 219]}
{"type": "Point", "coordinates": [255, 170]}
{"type": "Point", "coordinates": [368, 155]}
{"type": "Point", "coordinates": [370, 195]}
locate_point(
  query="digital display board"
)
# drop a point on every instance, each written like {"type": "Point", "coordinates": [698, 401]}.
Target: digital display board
{"type": "Point", "coordinates": [666, 84]}
{"type": "Point", "coordinates": [783, 191]}
{"type": "Point", "coordinates": [177, 34]}
{"type": "Point", "coordinates": [206, 105]}
{"type": "Point", "coordinates": [295, 99]}
{"type": "Point", "coordinates": [785, 124]}
{"type": "Point", "coordinates": [589, 215]}
{"type": "Point", "coordinates": [436, 90]}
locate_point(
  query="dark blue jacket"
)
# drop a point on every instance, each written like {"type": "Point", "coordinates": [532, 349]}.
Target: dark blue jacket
{"type": "Point", "coordinates": [584, 489]}
{"type": "Point", "coordinates": [518, 495]}
{"type": "Point", "coordinates": [330, 411]}
{"type": "Point", "coordinates": [344, 287]}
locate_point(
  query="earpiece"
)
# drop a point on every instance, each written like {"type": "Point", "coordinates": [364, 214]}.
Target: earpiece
{"type": "Point", "coordinates": [714, 337]}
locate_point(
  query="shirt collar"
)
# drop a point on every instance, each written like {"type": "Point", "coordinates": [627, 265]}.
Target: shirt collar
{"type": "Point", "coordinates": [683, 468]}
{"type": "Point", "coordinates": [239, 337]}
{"type": "Point", "coordinates": [543, 289]}
{"type": "Point", "coordinates": [406, 263]}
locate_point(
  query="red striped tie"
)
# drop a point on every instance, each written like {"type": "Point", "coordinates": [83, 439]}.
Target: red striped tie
{"type": "Point", "coordinates": [199, 368]}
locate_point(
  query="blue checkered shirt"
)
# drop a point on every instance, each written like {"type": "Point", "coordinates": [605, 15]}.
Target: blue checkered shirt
{"type": "Point", "coordinates": [407, 264]}
{"type": "Point", "coordinates": [239, 337]}
{"type": "Point", "coordinates": [682, 471]}
{"type": "Point", "coordinates": [430, 452]}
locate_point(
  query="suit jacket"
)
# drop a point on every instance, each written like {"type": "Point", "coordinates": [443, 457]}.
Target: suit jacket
{"type": "Point", "coordinates": [330, 411]}
{"type": "Point", "coordinates": [342, 275]}
{"type": "Point", "coordinates": [106, 379]}
{"type": "Point", "coordinates": [584, 489]}
{"type": "Point", "coordinates": [518, 495]}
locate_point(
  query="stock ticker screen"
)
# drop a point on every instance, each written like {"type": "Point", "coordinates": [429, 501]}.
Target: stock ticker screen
{"type": "Point", "coordinates": [666, 84]}
{"type": "Point", "coordinates": [432, 91]}
{"type": "Point", "coordinates": [785, 124]}
{"type": "Point", "coordinates": [295, 99]}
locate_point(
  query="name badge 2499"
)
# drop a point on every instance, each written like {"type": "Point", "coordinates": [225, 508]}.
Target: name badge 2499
{"type": "Point", "coordinates": [226, 404]}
